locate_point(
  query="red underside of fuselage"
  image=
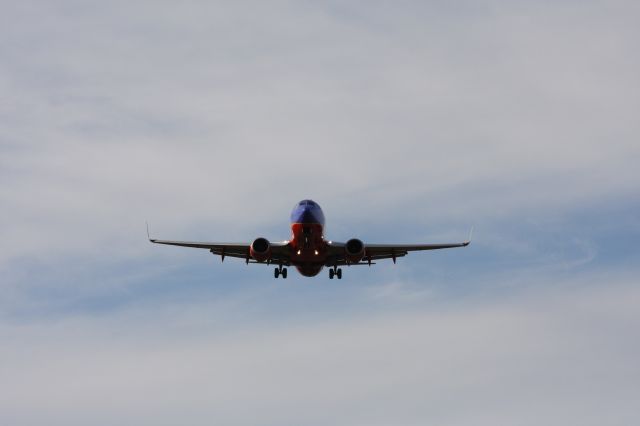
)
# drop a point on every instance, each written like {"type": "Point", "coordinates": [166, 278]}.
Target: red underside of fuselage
{"type": "Point", "coordinates": [308, 248]}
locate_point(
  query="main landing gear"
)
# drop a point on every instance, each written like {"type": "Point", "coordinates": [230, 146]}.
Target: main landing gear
{"type": "Point", "coordinates": [335, 272]}
{"type": "Point", "coordinates": [280, 271]}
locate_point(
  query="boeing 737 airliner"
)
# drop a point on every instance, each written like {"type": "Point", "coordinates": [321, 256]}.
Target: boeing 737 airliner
{"type": "Point", "coordinates": [308, 250]}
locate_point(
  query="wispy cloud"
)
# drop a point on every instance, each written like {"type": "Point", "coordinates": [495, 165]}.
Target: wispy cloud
{"type": "Point", "coordinates": [473, 109]}
{"type": "Point", "coordinates": [407, 122]}
{"type": "Point", "coordinates": [553, 356]}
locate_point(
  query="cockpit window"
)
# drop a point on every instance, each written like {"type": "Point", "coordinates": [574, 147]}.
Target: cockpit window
{"type": "Point", "coordinates": [307, 211]}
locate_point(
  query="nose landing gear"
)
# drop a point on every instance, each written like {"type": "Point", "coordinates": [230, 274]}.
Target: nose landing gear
{"type": "Point", "coordinates": [280, 271]}
{"type": "Point", "coordinates": [335, 272]}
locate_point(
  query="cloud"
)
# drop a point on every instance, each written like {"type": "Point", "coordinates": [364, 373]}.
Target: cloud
{"type": "Point", "coordinates": [407, 122]}
{"type": "Point", "coordinates": [547, 356]}
{"type": "Point", "coordinates": [188, 113]}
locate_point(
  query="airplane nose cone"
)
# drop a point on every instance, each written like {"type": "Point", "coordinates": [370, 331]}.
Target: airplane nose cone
{"type": "Point", "coordinates": [307, 214]}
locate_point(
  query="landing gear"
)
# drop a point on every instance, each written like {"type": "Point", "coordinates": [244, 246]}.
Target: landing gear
{"type": "Point", "coordinates": [280, 271]}
{"type": "Point", "coordinates": [335, 272]}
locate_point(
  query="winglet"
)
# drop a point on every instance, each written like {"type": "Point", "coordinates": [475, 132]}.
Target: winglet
{"type": "Point", "coordinates": [466, 243]}
{"type": "Point", "coordinates": [147, 223]}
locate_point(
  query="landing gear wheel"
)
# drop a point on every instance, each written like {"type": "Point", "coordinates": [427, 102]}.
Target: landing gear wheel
{"type": "Point", "coordinates": [284, 273]}
{"type": "Point", "coordinates": [331, 273]}
{"type": "Point", "coordinates": [339, 273]}
{"type": "Point", "coordinates": [276, 273]}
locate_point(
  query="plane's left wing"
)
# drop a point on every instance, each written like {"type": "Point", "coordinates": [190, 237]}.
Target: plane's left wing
{"type": "Point", "coordinates": [385, 251]}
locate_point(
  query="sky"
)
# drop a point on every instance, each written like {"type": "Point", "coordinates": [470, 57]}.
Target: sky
{"type": "Point", "coordinates": [407, 121]}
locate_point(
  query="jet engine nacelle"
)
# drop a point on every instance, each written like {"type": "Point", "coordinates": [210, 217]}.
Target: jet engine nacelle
{"type": "Point", "coordinates": [260, 249]}
{"type": "Point", "coordinates": [354, 250]}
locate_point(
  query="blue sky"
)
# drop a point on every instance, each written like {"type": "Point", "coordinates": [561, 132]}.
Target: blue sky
{"type": "Point", "coordinates": [408, 122]}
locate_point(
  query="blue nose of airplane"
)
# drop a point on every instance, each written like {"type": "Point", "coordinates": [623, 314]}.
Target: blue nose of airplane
{"type": "Point", "coordinates": [307, 211]}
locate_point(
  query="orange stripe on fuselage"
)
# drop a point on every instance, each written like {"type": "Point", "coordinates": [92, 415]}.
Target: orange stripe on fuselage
{"type": "Point", "coordinates": [307, 239]}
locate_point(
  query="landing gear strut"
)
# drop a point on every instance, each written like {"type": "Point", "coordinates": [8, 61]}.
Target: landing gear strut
{"type": "Point", "coordinates": [280, 271]}
{"type": "Point", "coordinates": [335, 272]}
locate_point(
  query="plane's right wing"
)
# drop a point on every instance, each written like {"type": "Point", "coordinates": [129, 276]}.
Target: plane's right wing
{"type": "Point", "coordinates": [280, 251]}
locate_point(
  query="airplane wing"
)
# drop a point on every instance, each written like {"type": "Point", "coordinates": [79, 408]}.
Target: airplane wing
{"type": "Point", "coordinates": [384, 251]}
{"type": "Point", "coordinates": [279, 251]}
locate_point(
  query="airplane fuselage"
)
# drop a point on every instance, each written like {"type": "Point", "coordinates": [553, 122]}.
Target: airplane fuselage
{"type": "Point", "coordinates": [309, 249]}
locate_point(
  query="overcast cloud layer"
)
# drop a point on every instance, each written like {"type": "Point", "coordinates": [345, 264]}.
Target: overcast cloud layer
{"type": "Point", "coordinates": [407, 121]}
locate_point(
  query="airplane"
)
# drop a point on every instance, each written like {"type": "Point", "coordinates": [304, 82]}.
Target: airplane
{"type": "Point", "coordinates": [308, 250]}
